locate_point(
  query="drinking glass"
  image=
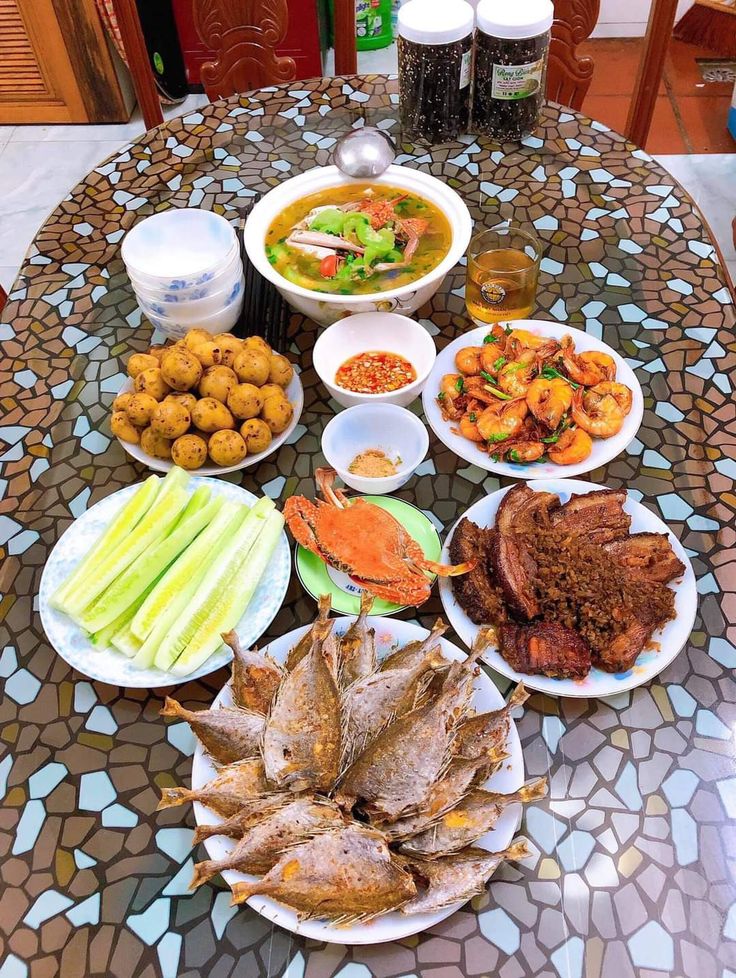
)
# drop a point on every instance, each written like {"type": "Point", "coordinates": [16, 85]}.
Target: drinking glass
{"type": "Point", "coordinates": [503, 269]}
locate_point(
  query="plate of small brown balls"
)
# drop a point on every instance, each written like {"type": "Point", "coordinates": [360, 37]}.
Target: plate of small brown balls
{"type": "Point", "coordinates": [210, 403]}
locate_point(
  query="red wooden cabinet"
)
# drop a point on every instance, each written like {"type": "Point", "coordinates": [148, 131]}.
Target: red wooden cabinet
{"type": "Point", "coordinates": [303, 41]}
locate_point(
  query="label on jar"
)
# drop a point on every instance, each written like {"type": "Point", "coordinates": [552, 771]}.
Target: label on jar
{"type": "Point", "coordinates": [511, 82]}
{"type": "Point", "coordinates": [465, 69]}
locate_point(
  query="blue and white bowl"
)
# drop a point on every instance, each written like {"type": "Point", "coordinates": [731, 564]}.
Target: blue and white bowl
{"type": "Point", "coordinates": [181, 248]}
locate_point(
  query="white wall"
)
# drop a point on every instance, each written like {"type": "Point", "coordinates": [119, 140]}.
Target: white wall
{"type": "Point", "coordinates": [628, 18]}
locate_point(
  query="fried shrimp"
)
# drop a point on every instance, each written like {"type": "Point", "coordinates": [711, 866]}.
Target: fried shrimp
{"type": "Point", "coordinates": [548, 400]}
{"type": "Point", "coordinates": [599, 416]}
{"type": "Point", "coordinates": [573, 446]}
{"type": "Point", "coordinates": [503, 420]}
{"type": "Point", "coordinates": [528, 451]}
{"type": "Point", "coordinates": [619, 392]}
{"type": "Point", "coordinates": [467, 360]}
{"type": "Point", "coordinates": [515, 377]}
{"type": "Point", "coordinates": [469, 427]}
{"type": "Point", "coordinates": [588, 368]}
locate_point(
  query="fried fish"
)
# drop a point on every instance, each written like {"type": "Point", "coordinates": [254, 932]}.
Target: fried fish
{"type": "Point", "coordinates": [397, 769]}
{"type": "Point", "coordinates": [304, 644]}
{"type": "Point", "coordinates": [476, 814]}
{"type": "Point", "coordinates": [481, 732]}
{"type": "Point", "coordinates": [228, 734]}
{"type": "Point", "coordinates": [456, 878]}
{"type": "Point", "coordinates": [256, 676]}
{"type": "Point", "coordinates": [344, 876]}
{"type": "Point", "coordinates": [357, 647]}
{"type": "Point", "coordinates": [371, 703]}
{"type": "Point", "coordinates": [301, 743]}
{"type": "Point", "coordinates": [260, 847]}
{"type": "Point", "coordinates": [413, 652]}
{"type": "Point", "coordinates": [234, 786]}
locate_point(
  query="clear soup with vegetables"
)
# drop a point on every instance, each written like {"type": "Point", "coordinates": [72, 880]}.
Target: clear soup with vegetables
{"type": "Point", "coordinates": [358, 239]}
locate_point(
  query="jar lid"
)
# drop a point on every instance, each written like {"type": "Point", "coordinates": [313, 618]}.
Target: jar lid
{"type": "Point", "coordinates": [517, 20]}
{"type": "Point", "coordinates": [435, 21]}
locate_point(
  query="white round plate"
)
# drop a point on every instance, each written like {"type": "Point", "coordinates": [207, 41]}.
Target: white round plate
{"type": "Point", "coordinates": [669, 640]}
{"type": "Point", "coordinates": [294, 393]}
{"type": "Point", "coordinates": [109, 665]}
{"type": "Point", "coordinates": [392, 926]}
{"type": "Point", "coordinates": [604, 449]}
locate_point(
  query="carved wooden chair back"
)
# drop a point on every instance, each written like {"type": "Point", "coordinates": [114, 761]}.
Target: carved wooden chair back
{"type": "Point", "coordinates": [244, 34]}
{"type": "Point", "coordinates": [568, 75]}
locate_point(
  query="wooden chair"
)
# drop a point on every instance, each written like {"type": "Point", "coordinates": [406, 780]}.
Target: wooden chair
{"type": "Point", "coordinates": [569, 76]}
{"type": "Point", "coordinates": [244, 35]}
{"type": "Point", "coordinates": [3, 297]}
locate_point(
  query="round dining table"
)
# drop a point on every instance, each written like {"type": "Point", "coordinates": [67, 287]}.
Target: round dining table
{"type": "Point", "coordinates": [633, 852]}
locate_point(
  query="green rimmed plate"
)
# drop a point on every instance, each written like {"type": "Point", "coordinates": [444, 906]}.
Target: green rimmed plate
{"type": "Point", "coordinates": [318, 578]}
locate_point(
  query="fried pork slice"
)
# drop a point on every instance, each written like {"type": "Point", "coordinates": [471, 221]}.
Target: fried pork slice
{"type": "Point", "coordinates": [234, 787]}
{"type": "Point", "coordinates": [647, 557]}
{"type": "Point", "coordinates": [515, 570]}
{"type": "Point", "coordinates": [458, 877]}
{"type": "Point", "coordinates": [524, 510]}
{"type": "Point", "coordinates": [256, 676]}
{"type": "Point", "coordinates": [344, 876]}
{"type": "Point", "coordinates": [227, 733]}
{"type": "Point", "coordinates": [476, 592]}
{"type": "Point", "coordinates": [621, 654]}
{"type": "Point", "coordinates": [545, 649]}
{"type": "Point", "coordinates": [475, 815]}
{"type": "Point", "coordinates": [596, 516]}
{"type": "Point", "coordinates": [259, 849]}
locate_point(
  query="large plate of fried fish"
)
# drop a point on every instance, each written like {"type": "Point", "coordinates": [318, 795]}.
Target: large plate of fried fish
{"type": "Point", "coordinates": [357, 781]}
{"type": "Point", "coordinates": [586, 591]}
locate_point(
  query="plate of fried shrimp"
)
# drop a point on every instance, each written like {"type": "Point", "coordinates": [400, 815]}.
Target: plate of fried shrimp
{"type": "Point", "coordinates": [532, 399]}
{"type": "Point", "coordinates": [357, 781]}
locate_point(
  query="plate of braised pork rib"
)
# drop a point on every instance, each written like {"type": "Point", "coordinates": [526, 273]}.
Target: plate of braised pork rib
{"type": "Point", "coordinates": [586, 592]}
{"type": "Point", "coordinates": [358, 781]}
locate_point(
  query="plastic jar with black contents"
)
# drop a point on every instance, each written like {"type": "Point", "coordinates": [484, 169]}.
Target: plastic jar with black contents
{"type": "Point", "coordinates": [435, 59]}
{"type": "Point", "coordinates": [511, 47]}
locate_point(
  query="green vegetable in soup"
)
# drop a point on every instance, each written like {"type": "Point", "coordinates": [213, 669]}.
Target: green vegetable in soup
{"type": "Point", "coordinates": [382, 226]}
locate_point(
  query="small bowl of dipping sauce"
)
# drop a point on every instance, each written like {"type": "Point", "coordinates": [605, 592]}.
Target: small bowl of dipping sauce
{"type": "Point", "coordinates": [374, 357]}
{"type": "Point", "coordinates": [375, 448]}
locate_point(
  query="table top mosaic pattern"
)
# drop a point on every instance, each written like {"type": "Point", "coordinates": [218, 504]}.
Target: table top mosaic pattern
{"type": "Point", "coordinates": [633, 853]}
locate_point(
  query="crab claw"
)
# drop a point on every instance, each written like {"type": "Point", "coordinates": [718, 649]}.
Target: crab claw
{"type": "Point", "coordinates": [325, 479]}
{"type": "Point", "coordinates": [448, 570]}
{"type": "Point", "coordinates": [399, 592]}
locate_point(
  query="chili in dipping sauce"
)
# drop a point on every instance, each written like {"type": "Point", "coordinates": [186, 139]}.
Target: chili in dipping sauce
{"type": "Point", "coordinates": [375, 372]}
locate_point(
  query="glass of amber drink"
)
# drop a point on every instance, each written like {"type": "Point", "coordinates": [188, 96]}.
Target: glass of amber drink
{"type": "Point", "coordinates": [503, 270]}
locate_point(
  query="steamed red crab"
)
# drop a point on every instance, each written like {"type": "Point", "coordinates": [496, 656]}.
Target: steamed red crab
{"type": "Point", "coordinates": [366, 542]}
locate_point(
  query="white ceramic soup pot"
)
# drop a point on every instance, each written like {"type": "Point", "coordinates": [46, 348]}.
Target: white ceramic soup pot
{"type": "Point", "coordinates": [374, 331]}
{"type": "Point", "coordinates": [324, 308]}
{"type": "Point", "coordinates": [388, 428]}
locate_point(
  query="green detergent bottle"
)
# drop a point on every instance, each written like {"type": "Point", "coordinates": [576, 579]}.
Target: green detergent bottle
{"type": "Point", "coordinates": [373, 24]}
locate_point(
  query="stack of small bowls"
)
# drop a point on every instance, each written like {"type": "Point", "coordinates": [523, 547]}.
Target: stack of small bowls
{"type": "Point", "coordinates": [186, 270]}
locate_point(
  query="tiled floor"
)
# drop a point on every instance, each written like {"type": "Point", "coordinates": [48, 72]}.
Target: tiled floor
{"type": "Point", "coordinates": [40, 164]}
{"type": "Point", "coordinates": [690, 115]}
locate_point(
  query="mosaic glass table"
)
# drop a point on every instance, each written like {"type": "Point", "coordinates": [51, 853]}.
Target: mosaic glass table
{"type": "Point", "coordinates": [633, 851]}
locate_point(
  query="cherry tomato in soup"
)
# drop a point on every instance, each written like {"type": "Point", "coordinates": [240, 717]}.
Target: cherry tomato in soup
{"type": "Point", "coordinates": [328, 266]}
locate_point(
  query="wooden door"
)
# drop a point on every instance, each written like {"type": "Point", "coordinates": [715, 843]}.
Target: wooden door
{"type": "Point", "coordinates": [55, 65]}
